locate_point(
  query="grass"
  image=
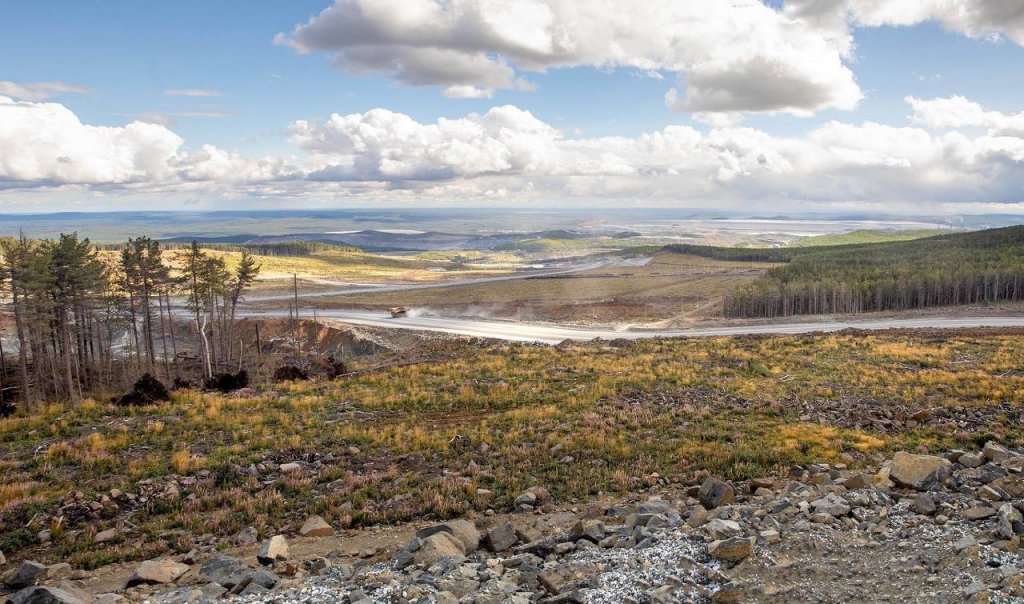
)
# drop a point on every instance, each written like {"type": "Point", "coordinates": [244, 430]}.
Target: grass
{"type": "Point", "coordinates": [867, 236]}
{"type": "Point", "coordinates": [682, 409]}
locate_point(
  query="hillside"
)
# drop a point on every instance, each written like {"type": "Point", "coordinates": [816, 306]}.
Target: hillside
{"type": "Point", "coordinates": [958, 268]}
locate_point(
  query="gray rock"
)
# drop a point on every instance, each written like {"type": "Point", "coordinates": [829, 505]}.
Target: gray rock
{"type": "Point", "coordinates": [1009, 517]}
{"type": "Point", "coordinates": [107, 535]}
{"type": "Point", "coordinates": [29, 572]}
{"type": "Point", "coordinates": [501, 538]}
{"type": "Point", "coordinates": [43, 594]}
{"type": "Point", "coordinates": [436, 547]}
{"type": "Point", "coordinates": [971, 460]}
{"type": "Point", "coordinates": [247, 536]}
{"type": "Point", "coordinates": [719, 529]}
{"type": "Point", "coordinates": [995, 452]}
{"type": "Point", "coordinates": [224, 571]}
{"type": "Point", "coordinates": [714, 492]}
{"type": "Point", "coordinates": [833, 505]}
{"type": "Point", "coordinates": [591, 530]}
{"type": "Point", "coordinates": [924, 504]}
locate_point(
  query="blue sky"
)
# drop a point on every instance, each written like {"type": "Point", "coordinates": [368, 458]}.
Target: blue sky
{"type": "Point", "coordinates": [129, 54]}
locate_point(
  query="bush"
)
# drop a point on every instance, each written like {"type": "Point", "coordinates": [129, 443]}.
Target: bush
{"type": "Point", "coordinates": [228, 382]}
{"type": "Point", "coordinates": [289, 373]}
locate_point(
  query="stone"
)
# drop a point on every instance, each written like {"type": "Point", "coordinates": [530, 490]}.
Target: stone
{"type": "Point", "coordinates": [315, 526]}
{"type": "Point", "coordinates": [833, 505]}
{"type": "Point", "coordinates": [971, 460]}
{"type": "Point", "coordinates": [698, 516]}
{"type": "Point", "coordinates": [159, 571]}
{"type": "Point", "coordinates": [273, 550]}
{"type": "Point", "coordinates": [714, 492]}
{"type": "Point", "coordinates": [437, 546]}
{"type": "Point", "coordinates": [719, 529]}
{"type": "Point", "coordinates": [290, 467]}
{"type": "Point", "coordinates": [995, 452]}
{"type": "Point", "coordinates": [464, 532]}
{"type": "Point", "coordinates": [924, 504]}
{"type": "Point", "coordinates": [921, 472]}
{"type": "Point", "coordinates": [733, 549]}
{"type": "Point", "coordinates": [109, 598]}
{"type": "Point", "coordinates": [107, 535]}
{"type": "Point", "coordinates": [501, 538]}
{"type": "Point", "coordinates": [979, 513]}
{"type": "Point", "coordinates": [1013, 486]}
{"type": "Point", "coordinates": [591, 530]}
{"type": "Point", "coordinates": [29, 572]}
{"type": "Point", "coordinates": [224, 571]}
{"type": "Point", "coordinates": [1009, 518]}
{"type": "Point", "coordinates": [3, 559]}
{"type": "Point", "coordinates": [246, 536]}
{"type": "Point", "coordinates": [44, 594]}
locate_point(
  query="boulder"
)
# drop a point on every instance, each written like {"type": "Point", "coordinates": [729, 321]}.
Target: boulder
{"type": "Point", "coordinates": [273, 550]}
{"type": "Point", "coordinates": [733, 549]}
{"type": "Point", "coordinates": [437, 546]}
{"type": "Point", "coordinates": [924, 504]}
{"type": "Point", "coordinates": [464, 532]}
{"type": "Point", "coordinates": [921, 472]}
{"type": "Point", "coordinates": [719, 529]}
{"type": "Point", "coordinates": [501, 538]}
{"type": "Point", "coordinates": [995, 452]}
{"type": "Point", "coordinates": [714, 493]}
{"type": "Point", "coordinates": [159, 571]}
{"type": "Point", "coordinates": [29, 572]}
{"type": "Point", "coordinates": [246, 536]}
{"type": "Point", "coordinates": [290, 467]}
{"type": "Point", "coordinates": [107, 535]}
{"type": "Point", "coordinates": [1010, 521]}
{"type": "Point", "coordinates": [3, 559]}
{"type": "Point", "coordinates": [971, 460]}
{"type": "Point", "coordinates": [591, 530]}
{"type": "Point", "coordinates": [979, 513]}
{"type": "Point", "coordinates": [44, 594]}
{"type": "Point", "coordinates": [315, 526]}
{"type": "Point", "coordinates": [833, 505]}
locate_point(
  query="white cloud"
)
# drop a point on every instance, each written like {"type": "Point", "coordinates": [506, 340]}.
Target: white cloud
{"type": "Point", "coordinates": [735, 56]}
{"type": "Point", "coordinates": [38, 91]}
{"type": "Point", "coordinates": [45, 144]}
{"type": "Point", "coordinates": [194, 92]}
{"type": "Point", "coordinates": [959, 112]}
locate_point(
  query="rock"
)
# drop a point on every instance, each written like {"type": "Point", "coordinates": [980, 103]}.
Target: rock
{"type": "Point", "coordinates": [971, 460]}
{"type": "Point", "coordinates": [501, 538]}
{"type": "Point", "coordinates": [924, 504]}
{"type": "Point", "coordinates": [714, 493]}
{"type": "Point", "coordinates": [3, 559]}
{"type": "Point", "coordinates": [29, 572]}
{"type": "Point", "coordinates": [921, 472]}
{"type": "Point", "coordinates": [1012, 485]}
{"type": "Point", "coordinates": [437, 546]}
{"type": "Point", "coordinates": [833, 505]}
{"type": "Point", "coordinates": [979, 513]}
{"type": "Point", "coordinates": [995, 452]}
{"type": "Point", "coordinates": [107, 535]}
{"type": "Point", "coordinates": [225, 571]}
{"type": "Point", "coordinates": [315, 526]}
{"type": "Point", "coordinates": [109, 598]}
{"type": "Point", "coordinates": [591, 530]}
{"type": "Point", "coordinates": [290, 467]}
{"type": "Point", "coordinates": [1009, 520]}
{"type": "Point", "coordinates": [43, 594]}
{"type": "Point", "coordinates": [463, 531]}
{"type": "Point", "coordinates": [273, 550]}
{"type": "Point", "coordinates": [719, 529]}
{"type": "Point", "coordinates": [733, 549]}
{"type": "Point", "coordinates": [159, 571]}
{"type": "Point", "coordinates": [246, 536]}
{"type": "Point", "coordinates": [698, 516]}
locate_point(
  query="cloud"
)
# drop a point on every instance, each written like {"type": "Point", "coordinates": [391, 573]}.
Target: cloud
{"type": "Point", "coordinates": [194, 92]}
{"type": "Point", "coordinates": [509, 149]}
{"type": "Point", "coordinates": [958, 112]}
{"type": "Point", "coordinates": [38, 91]}
{"type": "Point", "coordinates": [45, 144]}
{"type": "Point", "coordinates": [733, 56]}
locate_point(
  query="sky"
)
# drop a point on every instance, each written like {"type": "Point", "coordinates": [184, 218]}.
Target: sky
{"type": "Point", "coordinates": [886, 106]}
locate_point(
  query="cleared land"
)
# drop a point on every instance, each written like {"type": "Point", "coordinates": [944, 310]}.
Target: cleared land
{"type": "Point", "coordinates": [406, 442]}
{"type": "Point", "coordinates": [668, 286]}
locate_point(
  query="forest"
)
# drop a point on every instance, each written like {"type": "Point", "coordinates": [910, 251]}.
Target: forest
{"type": "Point", "coordinates": [88, 321]}
{"type": "Point", "coordinates": [958, 268]}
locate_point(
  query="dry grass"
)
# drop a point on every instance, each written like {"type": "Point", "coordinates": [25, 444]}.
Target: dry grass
{"type": "Point", "coordinates": [681, 409]}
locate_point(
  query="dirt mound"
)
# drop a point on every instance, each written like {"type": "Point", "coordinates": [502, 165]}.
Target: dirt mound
{"type": "Point", "coordinates": [146, 391]}
{"type": "Point", "coordinates": [228, 382]}
{"type": "Point", "coordinates": [289, 373]}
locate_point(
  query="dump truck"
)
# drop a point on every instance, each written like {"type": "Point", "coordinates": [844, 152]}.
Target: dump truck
{"type": "Point", "coordinates": [398, 311]}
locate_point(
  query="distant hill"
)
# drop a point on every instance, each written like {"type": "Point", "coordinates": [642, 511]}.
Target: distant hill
{"type": "Point", "coordinates": [866, 236]}
{"type": "Point", "coordinates": [958, 268]}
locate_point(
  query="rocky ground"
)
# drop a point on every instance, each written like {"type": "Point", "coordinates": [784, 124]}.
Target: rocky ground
{"type": "Point", "coordinates": [920, 528]}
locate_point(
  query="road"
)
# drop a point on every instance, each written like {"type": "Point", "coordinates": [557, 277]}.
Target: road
{"type": "Point", "coordinates": [553, 334]}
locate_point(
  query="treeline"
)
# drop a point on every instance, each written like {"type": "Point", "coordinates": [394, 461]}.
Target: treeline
{"type": "Point", "coordinates": [290, 248]}
{"type": "Point", "coordinates": [83, 322]}
{"type": "Point", "coordinates": [962, 268]}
